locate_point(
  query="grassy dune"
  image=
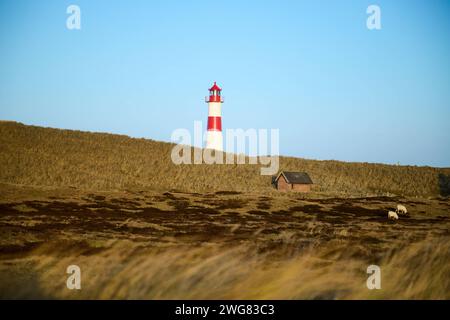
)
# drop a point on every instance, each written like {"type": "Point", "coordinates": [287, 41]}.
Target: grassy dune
{"type": "Point", "coordinates": [140, 227]}
{"type": "Point", "coordinates": [39, 156]}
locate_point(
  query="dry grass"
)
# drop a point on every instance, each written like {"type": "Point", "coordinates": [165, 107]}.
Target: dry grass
{"type": "Point", "coordinates": [127, 271]}
{"type": "Point", "coordinates": [150, 245]}
{"type": "Point", "coordinates": [32, 155]}
{"type": "Point", "coordinates": [228, 235]}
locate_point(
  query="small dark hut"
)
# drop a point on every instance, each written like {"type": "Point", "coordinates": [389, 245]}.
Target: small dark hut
{"type": "Point", "coordinates": [292, 181]}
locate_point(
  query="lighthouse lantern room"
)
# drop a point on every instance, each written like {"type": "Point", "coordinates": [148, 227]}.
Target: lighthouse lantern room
{"type": "Point", "coordinates": [214, 138]}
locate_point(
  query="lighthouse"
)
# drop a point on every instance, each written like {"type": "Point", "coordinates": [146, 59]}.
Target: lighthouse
{"type": "Point", "coordinates": [214, 138]}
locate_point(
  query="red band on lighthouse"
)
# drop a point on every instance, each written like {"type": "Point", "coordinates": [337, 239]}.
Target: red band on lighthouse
{"type": "Point", "coordinates": [215, 99]}
{"type": "Point", "coordinates": [214, 123]}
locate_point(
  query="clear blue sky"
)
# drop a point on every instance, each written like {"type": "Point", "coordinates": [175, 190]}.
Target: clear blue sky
{"type": "Point", "coordinates": [334, 88]}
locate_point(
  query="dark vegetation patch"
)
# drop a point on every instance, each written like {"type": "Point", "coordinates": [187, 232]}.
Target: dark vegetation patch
{"type": "Point", "coordinates": [444, 184]}
{"type": "Point", "coordinates": [169, 195]}
{"type": "Point", "coordinates": [326, 200]}
{"type": "Point", "coordinates": [382, 199]}
{"type": "Point", "coordinates": [231, 204]}
{"type": "Point", "coordinates": [359, 211]}
{"type": "Point", "coordinates": [224, 193]}
{"type": "Point", "coordinates": [408, 220]}
{"type": "Point", "coordinates": [96, 197]}
{"type": "Point", "coordinates": [281, 212]}
{"type": "Point", "coordinates": [64, 248]}
{"type": "Point", "coordinates": [257, 212]}
{"type": "Point", "coordinates": [232, 213]}
{"type": "Point", "coordinates": [263, 205]}
{"type": "Point", "coordinates": [309, 208]}
{"type": "Point", "coordinates": [225, 203]}
{"type": "Point", "coordinates": [120, 201]}
{"type": "Point", "coordinates": [204, 211]}
{"type": "Point", "coordinates": [179, 204]}
{"type": "Point", "coordinates": [14, 249]}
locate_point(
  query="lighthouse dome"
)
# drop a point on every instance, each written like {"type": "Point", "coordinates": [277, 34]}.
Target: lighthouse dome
{"type": "Point", "coordinates": [215, 87]}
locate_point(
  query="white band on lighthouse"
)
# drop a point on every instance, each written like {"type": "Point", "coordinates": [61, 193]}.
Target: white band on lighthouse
{"type": "Point", "coordinates": [214, 109]}
{"type": "Point", "coordinates": [214, 138]}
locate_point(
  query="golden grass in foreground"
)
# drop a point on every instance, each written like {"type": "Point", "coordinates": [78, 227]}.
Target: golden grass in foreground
{"type": "Point", "coordinates": [126, 271]}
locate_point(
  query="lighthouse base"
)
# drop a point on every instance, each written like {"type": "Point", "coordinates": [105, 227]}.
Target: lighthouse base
{"type": "Point", "coordinates": [214, 140]}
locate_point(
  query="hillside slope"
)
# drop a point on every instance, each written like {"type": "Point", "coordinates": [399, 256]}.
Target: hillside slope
{"type": "Point", "coordinates": [33, 155]}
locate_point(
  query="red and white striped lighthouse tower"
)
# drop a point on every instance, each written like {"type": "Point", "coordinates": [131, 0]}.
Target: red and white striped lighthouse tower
{"type": "Point", "coordinates": [214, 138]}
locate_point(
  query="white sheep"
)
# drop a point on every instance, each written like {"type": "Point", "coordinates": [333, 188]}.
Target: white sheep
{"type": "Point", "coordinates": [392, 215]}
{"type": "Point", "coordinates": [401, 209]}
